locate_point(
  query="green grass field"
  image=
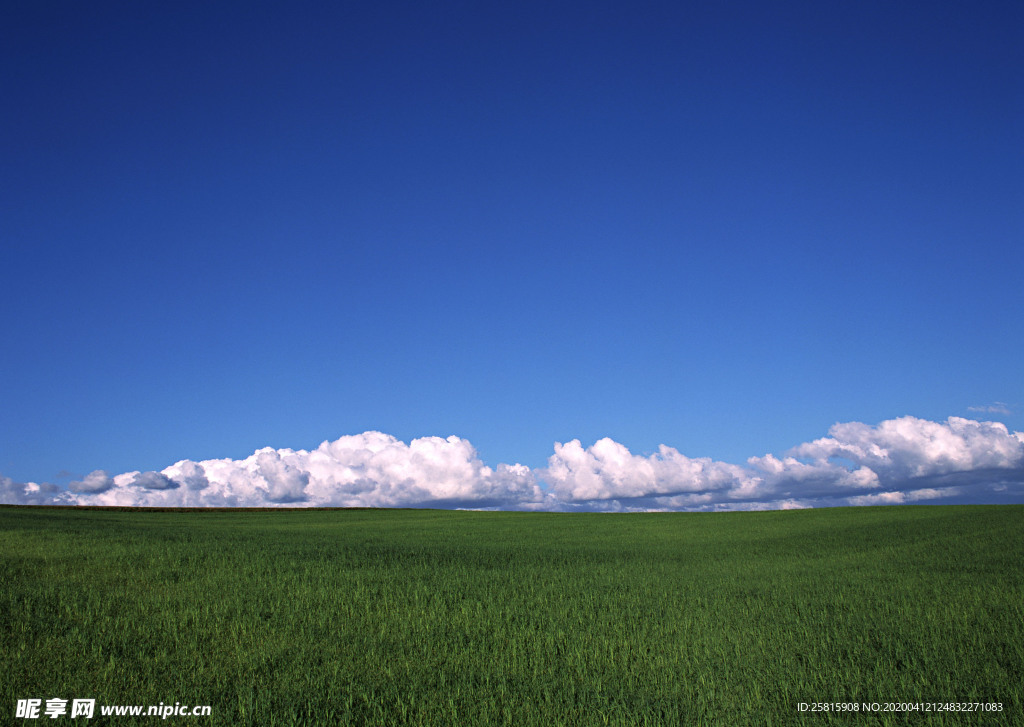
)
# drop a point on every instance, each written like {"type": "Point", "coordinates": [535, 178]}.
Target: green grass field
{"type": "Point", "coordinates": [426, 617]}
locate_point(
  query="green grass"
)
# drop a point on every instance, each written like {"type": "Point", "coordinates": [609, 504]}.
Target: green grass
{"type": "Point", "coordinates": [425, 617]}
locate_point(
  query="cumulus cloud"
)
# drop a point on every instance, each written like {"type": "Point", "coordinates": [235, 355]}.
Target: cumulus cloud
{"type": "Point", "coordinates": [363, 470]}
{"type": "Point", "coordinates": [284, 482]}
{"type": "Point", "coordinates": [909, 447]}
{"type": "Point", "coordinates": [94, 482]}
{"type": "Point", "coordinates": [896, 497]}
{"type": "Point", "coordinates": [897, 461]}
{"type": "Point", "coordinates": [191, 475]}
{"type": "Point", "coordinates": [153, 481]}
{"type": "Point", "coordinates": [894, 462]}
{"type": "Point", "coordinates": [32, 493]}
{"type": "Point", "coordinates": [608, 470]}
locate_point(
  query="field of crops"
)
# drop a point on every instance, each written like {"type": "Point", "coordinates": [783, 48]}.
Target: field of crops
{"type": "Point", "coordinates": [425, 617]}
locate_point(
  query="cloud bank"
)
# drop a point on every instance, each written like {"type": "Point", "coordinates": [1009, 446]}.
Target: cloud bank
{"type": "Point", "coordinates": [897, 461]}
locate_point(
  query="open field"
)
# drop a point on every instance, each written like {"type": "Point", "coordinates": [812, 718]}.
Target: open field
{"type": "Point", "coordinates": [426, 617]}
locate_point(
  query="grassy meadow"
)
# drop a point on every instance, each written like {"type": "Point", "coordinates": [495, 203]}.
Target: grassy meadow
{"type": "Point", "coordinates": [427, 617]}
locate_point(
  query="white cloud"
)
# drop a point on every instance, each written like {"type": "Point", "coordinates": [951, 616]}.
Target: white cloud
{"type": "Point", "coordinates": [896, 456]}
{"type": "Point", "coordinates": [283, 482]}
{"type": "Point", "coordinates": [191, 474]}
{"type": "Point", "coordinates": [897, 461]}
{"type": "Point", "coordinates": [898, 498]}
{"type": "Point", "coordinates": [997, 407]}
{"type": "Point", "coordinates": [154, 481]}
{"type": "Point", "coordinates": [364, 470]}
{"type": "Point", "coordinates": [94, 482]}
{"type": "Point", "coordinates": [608, 470]}
{"type": "Point", "coordinates": [31, 493]}
{"type": "Point", "coordinates": [910, 447]}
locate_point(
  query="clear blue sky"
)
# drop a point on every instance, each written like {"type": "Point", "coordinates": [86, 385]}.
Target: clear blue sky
{"type": "Point", "coordinates": [719, 226]}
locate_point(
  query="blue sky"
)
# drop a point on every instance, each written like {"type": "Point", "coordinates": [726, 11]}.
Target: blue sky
{"type": "Point", "coordinates": [722, 227]}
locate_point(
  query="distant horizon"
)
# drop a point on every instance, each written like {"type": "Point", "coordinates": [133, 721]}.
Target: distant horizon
{"type": "Point", "coordinates": [143, 508]}
{"type": "Point", "coordinates": [900, 461]}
